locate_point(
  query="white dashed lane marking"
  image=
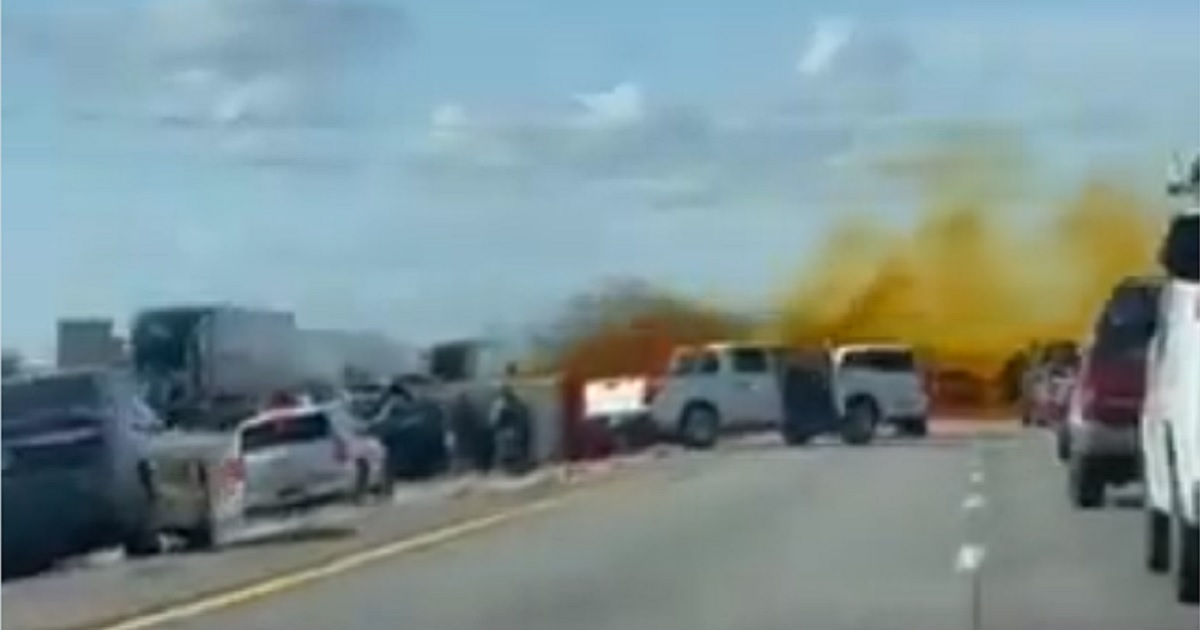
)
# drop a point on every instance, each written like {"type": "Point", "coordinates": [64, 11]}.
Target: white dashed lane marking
{"type": "Point", "coordinates": [970, 558]}
{"type": "Point", "coordinates": [974, 501]}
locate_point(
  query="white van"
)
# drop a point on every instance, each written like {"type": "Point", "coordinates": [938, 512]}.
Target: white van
{"type": "Point", "coordinates": [716, 388]}
{"type": "Point", "coordinates": [1170, 428]}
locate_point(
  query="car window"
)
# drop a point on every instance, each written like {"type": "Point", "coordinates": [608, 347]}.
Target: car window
{"type": "Point", "coordinates": [684, 363]}
{"type": "Point", "coordinates": [1129, 319]}
{"type": "Point", "coordinates": [881, 360]}
{"type": "Point", "coordinates": [749, 360]}
{"type": "Point", "coordinates": [287, 430]}
{"type": "Point", "coordinates": [708, 363]}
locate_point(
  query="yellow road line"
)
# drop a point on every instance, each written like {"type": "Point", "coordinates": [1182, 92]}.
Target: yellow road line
{"type": "Point", "coordinates": [289, 581]}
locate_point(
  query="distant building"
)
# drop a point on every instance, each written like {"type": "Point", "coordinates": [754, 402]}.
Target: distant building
{"type": "Point", "coordinates": [88, 342]}
{"type": "Point", "coordinates": [11, 362]}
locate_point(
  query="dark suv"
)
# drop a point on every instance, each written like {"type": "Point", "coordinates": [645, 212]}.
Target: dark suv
{"type": "Point", "coordinates": [76, 467]}
{"type": "Point", "coordinates": [1101, 435]}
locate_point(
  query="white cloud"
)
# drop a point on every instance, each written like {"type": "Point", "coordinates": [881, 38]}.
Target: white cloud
{"type": "Point", "coordinates": [622, 106]}
{"type": "Point", "coordinates": [621, 143]}
{"type": "Point", "coordinates": [828, 38]}
{"type": "Point", "coordinates": [220, 65]}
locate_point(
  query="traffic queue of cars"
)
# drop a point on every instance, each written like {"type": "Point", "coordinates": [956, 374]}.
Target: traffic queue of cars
{"type": "Point", "coordinates": [89, 465]}
{"type": "Point", "coordinates": [1128, 409]}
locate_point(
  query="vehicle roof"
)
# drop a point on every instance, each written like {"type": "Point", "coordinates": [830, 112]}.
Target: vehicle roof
{"type": "Point", "coordinates": [29, 377]}
{"type": "Point", "coordinates": [867, 347]}
{"type": "Point", "coordinates": [1144, 280]}
{"type": "Point", "coordinates": [282, 413]}
{"type": "Point", "coordinates": [722, 346]}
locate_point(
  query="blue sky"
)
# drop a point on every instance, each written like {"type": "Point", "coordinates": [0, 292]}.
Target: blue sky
{"type": "Point", "coordinates": [431, 167]}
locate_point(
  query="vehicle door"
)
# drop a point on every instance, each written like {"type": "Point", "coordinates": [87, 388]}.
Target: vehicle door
{"type": "Point", "coordinates": [754, 396]}
{"type": "Point", "coordinates": [678, 388]}
{"type": "Point", "coordinates": [708, 380]}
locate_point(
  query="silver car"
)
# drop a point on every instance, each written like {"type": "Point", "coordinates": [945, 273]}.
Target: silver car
{"type": "Point", "coordinates": [306, 456]}
{"type": "Point", "coordinates": [276, 462]}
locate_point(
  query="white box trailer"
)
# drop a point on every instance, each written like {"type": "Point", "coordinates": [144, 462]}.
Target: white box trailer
{"type": "Point", "coordinates": [198, 360]}
{"type": "Point", "coordinates": [332, 355]}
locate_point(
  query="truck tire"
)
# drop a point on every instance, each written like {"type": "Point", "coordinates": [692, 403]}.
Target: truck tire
{"type": "Point", "coordinates": [386, 487]}
{"type": "Point", "coordinates": [1187, 566]}
{"type": "Point", "coordinates": [362, 482]}
{"type": "Point", "coordinates": [793, 436]}
{"type": "Point", "coordinates": [699, 426]}
{"type": "Point", "coordinates": [201, 538]}
{"type": "Point", "coordinates": [1084, 483]}
{"type": "Point", "coordinates": [914, 427]}
{"type": "Point", "coordinates": [1158, 540]}
{"type": "Point", "coordinates": [1062, 444]}
{"type": "Point", "coordinates": [858, 425]}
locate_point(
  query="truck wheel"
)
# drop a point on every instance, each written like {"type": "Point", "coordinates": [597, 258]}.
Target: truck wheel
{"type": "Point", "coordinates": [916, 427]}
{"type": "Point", "coordinates": [699, 426]}
{"type": "Point", "coordinates": [362, 481]}
{"type": "Point", "coordinates": [1158, 540]}
{"type": "Point", "coordinates": [1062, 444]}
{"type": "Point", "coordinates": [858, 427]}
{"type": "Point", "coordinates": [387, 483]}
{"type": "Point", "coordinates": [793, 436]}
{"type": "Point", "coordinates": [1084, 483]}
{"type": "Point", "coordinates": [201, 538]}
{"type": "Point", "coordinates": [1187, 569]}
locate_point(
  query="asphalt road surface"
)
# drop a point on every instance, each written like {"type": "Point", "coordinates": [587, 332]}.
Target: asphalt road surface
{"type": "Point", "coordinates": [758, 537]}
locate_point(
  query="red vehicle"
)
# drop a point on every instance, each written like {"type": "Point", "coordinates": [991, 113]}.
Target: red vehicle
{"type": "Point", "coordinates": [1101, 436]}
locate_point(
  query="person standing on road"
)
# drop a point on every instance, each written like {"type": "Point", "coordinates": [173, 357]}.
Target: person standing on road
{"type": "Point", "coordinates": [512, 431]}
{"type": "Point", "coordinates": [472, 437]}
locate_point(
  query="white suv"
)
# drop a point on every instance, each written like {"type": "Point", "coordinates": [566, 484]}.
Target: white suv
{"type": "Point", "coordinates": [716, 388]}
{"type": "Point", "coordinates": [1170, 436]}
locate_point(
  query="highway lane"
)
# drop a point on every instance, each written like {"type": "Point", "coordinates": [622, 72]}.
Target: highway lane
{"type": "Point", "coordinates": [827, 538]}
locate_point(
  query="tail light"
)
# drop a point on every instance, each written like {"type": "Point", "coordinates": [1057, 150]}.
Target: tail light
{"type": "Point", "coordinates": [233, 472]}
{"type": "Point", "coordinates": [1104, 399]}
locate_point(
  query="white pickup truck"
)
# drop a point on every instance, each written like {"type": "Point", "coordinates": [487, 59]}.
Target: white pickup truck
{"type": "Point", "coordinates": [735, 387]}
{"type": "Point", "coordinates": [1170, 427]}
